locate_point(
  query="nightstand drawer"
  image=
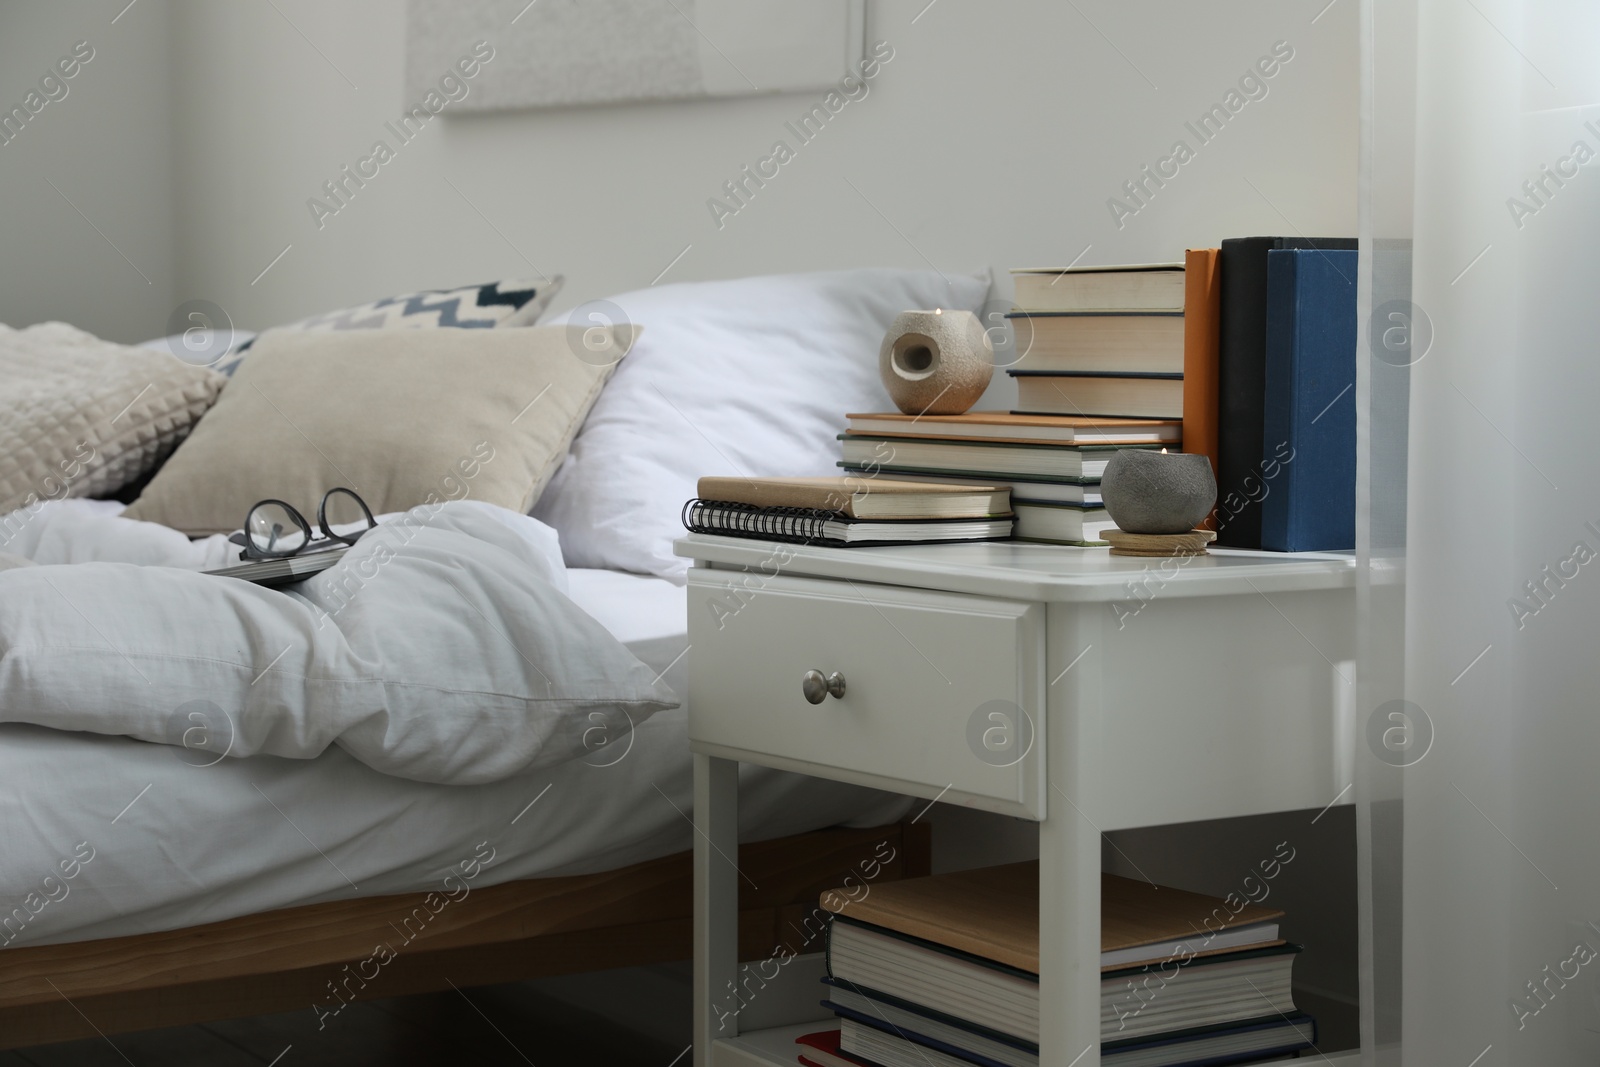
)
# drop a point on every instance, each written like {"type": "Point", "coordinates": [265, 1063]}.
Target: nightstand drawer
{"type": "Point", "coordinates": [943, 693]}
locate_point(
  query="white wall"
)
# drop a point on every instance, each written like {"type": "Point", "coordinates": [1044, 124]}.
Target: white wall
{"type": "Point", "coordinates": [994, 136]}
{"type": "Point", "coordinates": [107, 146]}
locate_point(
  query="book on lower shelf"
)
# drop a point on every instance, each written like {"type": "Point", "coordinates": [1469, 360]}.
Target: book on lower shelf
{"type": "Point", "coordinates": [821, 1049]}
{"type": "Point", "coordinates": [848, 511]}
{"type": "Point", "coordinates": [879, 1042]}
{"type": "Point", "coordinates": [948, 965]}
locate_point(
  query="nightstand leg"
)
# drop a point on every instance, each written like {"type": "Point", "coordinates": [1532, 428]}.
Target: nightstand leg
{"type": "Point", "coordinates": [716, 903]}
{"type": "Point", "coordinates": [1069, 939]}
{"type": "Point", "coordinates": [1069, 847]}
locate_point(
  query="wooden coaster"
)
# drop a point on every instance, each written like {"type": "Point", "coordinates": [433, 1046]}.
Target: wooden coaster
{"type": "Point", "coordinates": [1192, 543]}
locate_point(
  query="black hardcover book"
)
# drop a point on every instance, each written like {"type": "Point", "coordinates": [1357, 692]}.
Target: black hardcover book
{"type": "Point", "coordinates": [1242, 382]}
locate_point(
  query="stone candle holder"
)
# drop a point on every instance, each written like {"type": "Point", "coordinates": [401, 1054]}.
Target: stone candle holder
{"type": "Point", "coordinates": [1148, 492]}
{"type": "Point", "coordinates": [936, 362]}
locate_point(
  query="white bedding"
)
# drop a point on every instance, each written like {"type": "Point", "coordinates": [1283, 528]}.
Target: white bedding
{"type": "Point", "coordinates": [440, 648]}
{"type": "Point", "coordinates": [174, 844]}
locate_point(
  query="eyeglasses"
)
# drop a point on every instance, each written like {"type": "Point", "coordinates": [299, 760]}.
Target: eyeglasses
{"type": "Point", "coordinates": [274, 529]}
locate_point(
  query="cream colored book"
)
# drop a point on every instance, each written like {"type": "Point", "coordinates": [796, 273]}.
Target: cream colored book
{"type": "Point", "coordinates": [1099, 342]}
{"type": "Point", "coordinates": [1064, 430]}
{"type": "Point", "coordinates": [1133, 286]}
{"type": "Point", "coordinates": [1143, 396]}
{"type": "Point", "coordinates": [862, 497]}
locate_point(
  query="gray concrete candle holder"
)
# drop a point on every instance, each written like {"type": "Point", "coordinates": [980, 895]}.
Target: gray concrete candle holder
{"type": "Point", "coordinates": [936, 362]}
{"type": "Point", "coordinates": [1148, 492]}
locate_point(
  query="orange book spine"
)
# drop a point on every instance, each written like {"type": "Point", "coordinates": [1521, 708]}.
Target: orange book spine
{"type": "Point", "coordinates": [1202, 345]}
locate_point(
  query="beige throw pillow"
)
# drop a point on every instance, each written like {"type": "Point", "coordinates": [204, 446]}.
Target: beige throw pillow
{"type": "Point", "coordinates": [403, 417]}
{"type": "Point", "coordinates": [84, 417]}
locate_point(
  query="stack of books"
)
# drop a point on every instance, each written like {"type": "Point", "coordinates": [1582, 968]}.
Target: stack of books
{"type": "Point", "coordinates": [850, 511]}
{"type": "Point", "coordinates": [944, 971]}
{"type": "Point", "coordinates": [1252, 344]}
{"type": "Point", "coordinates": [1051, 464]}
{"type": "Point", "coordinates": [1100, 341]}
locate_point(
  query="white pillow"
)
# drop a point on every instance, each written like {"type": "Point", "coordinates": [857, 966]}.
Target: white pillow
{"type": "Point", "coordinates": [752, 376]}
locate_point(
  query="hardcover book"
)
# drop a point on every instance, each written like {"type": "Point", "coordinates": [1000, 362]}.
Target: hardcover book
{"type": "Point", "coordinates": [1145, 286]}
{"type": "Point", "coordinates": [1061, 523]}
{"type": "Point", "coordinates": [1202, 340]}
{"type": "Point", "coordinates": [860, 497]}
{"type": "Point", "coordinates": [1242, 381]}
{"type": "Point", "coordinates": [894, 1035]}
{"type": "Point", "coordinates": [1084, 492]}
{"type": "Point", "coordinates": [994, 912]}
{"type": "Point", "coordinates": [1127, 394]}
{"type": "Point", "coordinates": [1310, 408]}
{"type": "Point", "coordinates": [1099, 341]}
{"type": "Point", "coordinates": [1004, 459]}
{"type": "Point", "coordinates": [1025, 429]}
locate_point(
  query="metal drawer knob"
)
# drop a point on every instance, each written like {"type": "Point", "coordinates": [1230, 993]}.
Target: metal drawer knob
{"type": "Point", "coordinates": [817, 688]}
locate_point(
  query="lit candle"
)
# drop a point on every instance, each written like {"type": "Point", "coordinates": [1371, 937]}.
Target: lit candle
{"type": "Point", "coordinates": [1158, 492]}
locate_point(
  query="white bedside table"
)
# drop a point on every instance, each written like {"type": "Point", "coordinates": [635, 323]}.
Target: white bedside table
{"type": "Point", "coordinates": [1154, 691]}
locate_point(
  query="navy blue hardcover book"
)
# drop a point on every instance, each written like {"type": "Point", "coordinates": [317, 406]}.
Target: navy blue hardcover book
{"type": "Point", "coordinates": [1241, 380]}
{"type": "Point", "coordinates": [1309, 417]}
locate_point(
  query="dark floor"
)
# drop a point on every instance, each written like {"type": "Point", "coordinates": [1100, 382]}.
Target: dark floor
{"type": "Point", "coordinates": [512, 1025]}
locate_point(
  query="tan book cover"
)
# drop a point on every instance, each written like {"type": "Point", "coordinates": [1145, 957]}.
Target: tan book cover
{"type": "Point", "coordinates": [862, 497]}
{"type": "Point", "coordinates": [993, 912]}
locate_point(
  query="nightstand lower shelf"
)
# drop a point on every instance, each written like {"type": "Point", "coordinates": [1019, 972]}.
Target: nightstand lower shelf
{"type": "Point", "coordinates": [775, 1046]}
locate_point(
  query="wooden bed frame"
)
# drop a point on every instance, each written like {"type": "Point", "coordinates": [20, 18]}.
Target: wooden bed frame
{"type": "Point", "coordinates": [292, 958]}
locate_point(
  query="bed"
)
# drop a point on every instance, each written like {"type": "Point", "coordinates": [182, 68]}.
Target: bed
{"type": "Point", "coordinates": [251, 885]}
{"type": "Point", "coordinates": [151, 884]}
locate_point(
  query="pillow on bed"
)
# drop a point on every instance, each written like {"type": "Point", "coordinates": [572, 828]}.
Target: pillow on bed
{"type": "Point", "coordinates": [752, 377]}
{"type": "Point", "coordinates": [403, 417]}
{"type": "Point", "coordinates": [83, 417]}
{"type": "Point", "coordinates": [479, 307]}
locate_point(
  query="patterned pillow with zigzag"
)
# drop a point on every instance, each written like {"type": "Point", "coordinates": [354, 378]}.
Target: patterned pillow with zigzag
{"type": "Point", "coordinates": [475, 307]}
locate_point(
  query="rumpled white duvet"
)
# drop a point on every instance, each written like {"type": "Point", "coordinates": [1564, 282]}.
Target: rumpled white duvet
{"type": "Point", "coordinates": [442, 648]}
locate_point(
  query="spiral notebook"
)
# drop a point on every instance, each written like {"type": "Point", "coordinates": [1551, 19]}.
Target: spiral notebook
{"type": "Point", "coordinates": [818, 526]}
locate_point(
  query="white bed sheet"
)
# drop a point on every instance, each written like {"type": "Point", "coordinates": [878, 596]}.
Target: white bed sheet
{"type": "Point", "coordinates": [177, 845]}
